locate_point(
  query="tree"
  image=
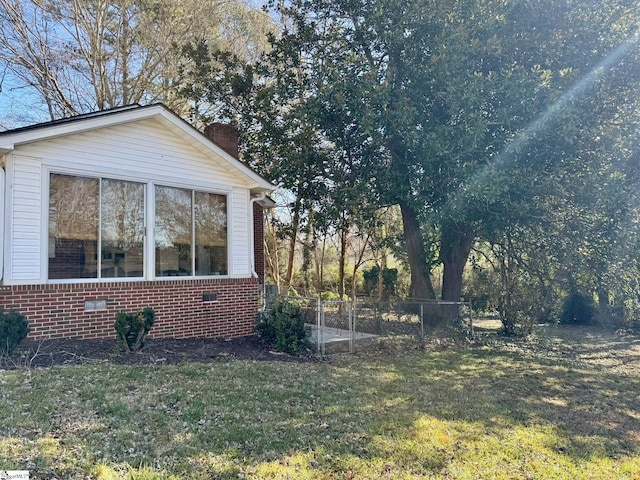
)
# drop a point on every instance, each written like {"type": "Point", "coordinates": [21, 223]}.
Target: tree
{"type": "Point", "coordinates": [464, 114]}
{"type": "Point", "coordinates": [447, 109]}
{"type": "Point", "coordinates": [81, 55]}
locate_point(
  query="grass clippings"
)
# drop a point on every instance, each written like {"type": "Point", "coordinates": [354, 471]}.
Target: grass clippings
{"type": "Point", "coordinates": [498, 410]}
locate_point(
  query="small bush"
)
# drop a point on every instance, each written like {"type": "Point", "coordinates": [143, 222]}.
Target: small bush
{"type": "Point", "coordinates": [13, 330]}
{"type": "Point", "coordinates": [625, 318]}
{"type": "Point", "coordinates": [282, 327]}
{"type": "Point", "coordinates": [578, 309]}
{"type": "Point", "coordinates": [389, 281]}
{"type": "Point", "coordinates": [132, 328]}
{"type": "Point", "coordinates": [329, 296]}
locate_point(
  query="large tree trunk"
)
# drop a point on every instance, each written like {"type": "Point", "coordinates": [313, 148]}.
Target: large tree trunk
{"type": "Point", "coordinates": [295, 224]}
{"type": "Point", "coordinates": [421, 286]}
{"type": "Point", "coordinates": [342, 262]}
{"type": "Point", "coordinates": [455, 247]}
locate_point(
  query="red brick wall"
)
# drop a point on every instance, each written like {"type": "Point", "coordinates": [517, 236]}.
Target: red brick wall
{"type": "Point", "coordinates": [258, 241]}
{"type": "Point", "coordinates": [225, 136]}
{"type": "Point", "coordinates": [56, 311]}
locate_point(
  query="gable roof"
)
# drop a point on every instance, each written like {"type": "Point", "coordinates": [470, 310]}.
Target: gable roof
{"type": "Point", "coordinates": [10, 139]}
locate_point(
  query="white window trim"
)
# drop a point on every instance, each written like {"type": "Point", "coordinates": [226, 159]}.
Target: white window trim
{"type": "Point", "coordinates": [151, 228]}
{"type": "Point", "coordinates": [149, 222]}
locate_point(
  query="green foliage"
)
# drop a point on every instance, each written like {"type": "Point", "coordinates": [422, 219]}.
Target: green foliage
{"type": "Point", "coordinates": [132, 328]}
{"type": "Point", "coordinates": [629, 316]}
{"type": "Point", "coordinates": [282, 326]}
{"type": "Point", "coordinates": [328, 296]}
{"type": "Point", "coordinates": [510, 122]}
{"type": "Point", "coordinates": [481, 288]}
{"type": "Point", "coordinates": [578, 309]}
{"type": "Point", "coordinates": [389, 281]}
{"type": "Point", "coordinates": [14, 328]}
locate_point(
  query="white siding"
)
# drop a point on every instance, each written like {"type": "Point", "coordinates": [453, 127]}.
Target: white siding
{"type": "Point", "coordinates": [25, 204]}
{"type": "Point", "coordinates": [239, 220]}
{"type": "Point", "coordinates": [143, 151]}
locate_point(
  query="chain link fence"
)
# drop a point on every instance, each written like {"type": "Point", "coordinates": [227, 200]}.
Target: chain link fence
{"type": "Point", "coordinates": [343, 326]}
{"type": "Point", "coordinates": [413, 317]}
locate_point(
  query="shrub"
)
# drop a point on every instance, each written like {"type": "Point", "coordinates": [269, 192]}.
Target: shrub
{"type": "Point", "coordinates": [625, 318]}
{"type": "Point", "coordinates": [132, 328]}
{"type": "Point", "coordinates": [13, 330]}
{"type": "Point", "coordinates": [329, 296]}
{"type": "Point", "coordinates": [577, 309]}
{"type": "Point", "coordinates": [282, 327]}
{"type": "Point", "coordinates": [389, 281]}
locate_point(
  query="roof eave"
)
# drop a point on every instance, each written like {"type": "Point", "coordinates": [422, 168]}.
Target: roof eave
{"type": "Point", "coordinates": [259, 184]}
{"type": "Point", "coordinates": [47, 132]}
{"type": "Point", "coordinates": [9, 141]}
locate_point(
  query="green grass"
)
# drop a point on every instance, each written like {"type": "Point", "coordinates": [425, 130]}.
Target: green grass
{"type": "Point", "coordinates": [396, 414]}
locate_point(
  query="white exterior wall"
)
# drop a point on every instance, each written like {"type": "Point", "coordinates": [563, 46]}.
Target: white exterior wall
{"type": "Point", "coordinates": [239, 222]}
{"type": "Point", "coordinates": [23, 223]}
{"type": "Point", "coordinates": [143, 151]}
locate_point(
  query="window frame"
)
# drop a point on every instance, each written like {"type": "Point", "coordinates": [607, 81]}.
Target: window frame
{"type": "Point", "coordinates": [152, 241]}
{"type": "Point", "coordinates": [149, 253]}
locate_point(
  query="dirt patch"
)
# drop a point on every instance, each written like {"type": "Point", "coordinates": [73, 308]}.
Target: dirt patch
{"type": "Point", "coordinates": [74, 351]}
{"type": "Point", "coordinates": [589, 347]}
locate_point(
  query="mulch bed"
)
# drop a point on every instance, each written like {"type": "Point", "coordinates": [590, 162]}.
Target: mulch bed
{"type": "Point", "coordinates": [157, 351]}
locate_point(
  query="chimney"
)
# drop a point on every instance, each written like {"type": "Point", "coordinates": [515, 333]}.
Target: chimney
{"type": "Point", "coordinates": [225, 136]}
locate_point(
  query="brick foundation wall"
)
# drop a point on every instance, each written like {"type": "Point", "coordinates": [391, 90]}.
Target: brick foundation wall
{"type": "Point", "coordinates": [57, 311]}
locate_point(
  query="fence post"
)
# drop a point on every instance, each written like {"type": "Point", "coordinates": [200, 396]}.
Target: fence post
{"type": "Point", "coordinates": [353, 323]}
{"type": "Point", "coordinates": [350, 320]}
{"type": "Point", "coordinates": [422, 321]}
{"type": "Point", "coordinates": [319, 330]}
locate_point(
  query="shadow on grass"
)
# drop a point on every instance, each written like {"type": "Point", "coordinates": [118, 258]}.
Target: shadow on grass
{"type": "Point", "coordinates": [383, 413]}
{"type": "Point", "coordinates": [589, 413]}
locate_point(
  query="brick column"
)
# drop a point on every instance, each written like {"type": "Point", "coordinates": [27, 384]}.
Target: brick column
{"type": "Point", "coordinates": [258, 241]}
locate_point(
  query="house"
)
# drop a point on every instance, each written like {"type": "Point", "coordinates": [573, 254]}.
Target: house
{"type": "Point", "coordinates": [127, 208]}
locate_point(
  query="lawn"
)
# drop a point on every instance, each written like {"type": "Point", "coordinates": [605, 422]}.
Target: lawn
{"type": "Point", "coordinates": [551, 408]}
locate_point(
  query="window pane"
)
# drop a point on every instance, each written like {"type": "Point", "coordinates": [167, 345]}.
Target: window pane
{"type": "Point", "coordinates": [173, 231]}
{"type": "Point", "coordinates": [73, 227]}
{"type": "Point", "coordinates": [211, 234]}
{"type": "Point", "coordinates": [122, 229]}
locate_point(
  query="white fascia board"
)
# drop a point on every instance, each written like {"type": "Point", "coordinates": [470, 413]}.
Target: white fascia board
{"type": "Point", "coordinates": [81, 125]}
{"type": "Point", "coordinates": [257, 183]}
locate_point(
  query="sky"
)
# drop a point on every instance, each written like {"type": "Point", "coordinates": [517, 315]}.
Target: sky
{"type": "Point", "coordinates": [18, 107]}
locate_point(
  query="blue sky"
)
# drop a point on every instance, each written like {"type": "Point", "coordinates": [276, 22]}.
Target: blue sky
{"type": "Point", "coordinates": [18, 106]}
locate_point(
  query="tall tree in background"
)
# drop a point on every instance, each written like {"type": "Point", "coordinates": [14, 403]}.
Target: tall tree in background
{"type": "Point", "coordinates": [472, 116]}
{"type": "Point", "coordinates": [462, 113]}
{"type": "Point", "coordinates": [82, 55]}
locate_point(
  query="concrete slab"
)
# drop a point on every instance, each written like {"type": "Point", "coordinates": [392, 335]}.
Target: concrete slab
{"type": "Point", "coordinates": [337, 339]}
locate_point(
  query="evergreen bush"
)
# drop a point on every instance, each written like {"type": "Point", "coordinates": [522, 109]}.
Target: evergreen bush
{"type": "Point", "coordinates": [132, 328]}
{"type": "Point", "coordinates": [578, 309]}
{"type": "Point", "coordinates": [13, 330]}
{"type": "Point", "coordinates": [282, 327]}
{"type": "Point", "coordinates": [389, 281]}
